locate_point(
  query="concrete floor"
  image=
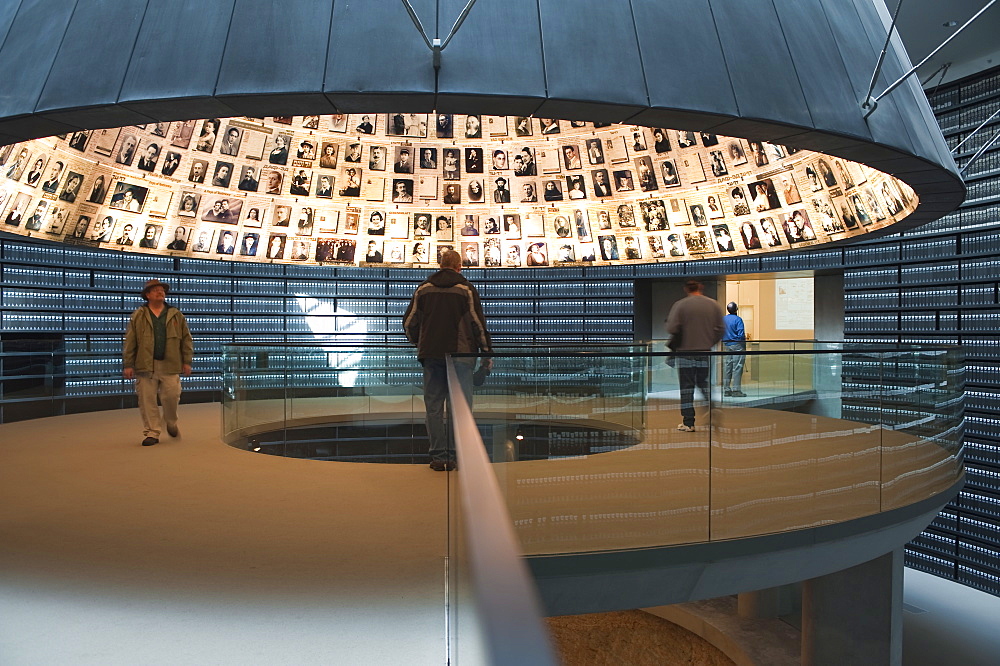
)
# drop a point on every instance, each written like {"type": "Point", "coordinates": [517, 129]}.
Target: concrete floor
{"type": "Point", "coordinates": [193, 552]}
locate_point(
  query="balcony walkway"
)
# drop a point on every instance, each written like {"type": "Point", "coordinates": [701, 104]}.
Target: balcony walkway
{"type": "Point", "coordinates": [195, 552]}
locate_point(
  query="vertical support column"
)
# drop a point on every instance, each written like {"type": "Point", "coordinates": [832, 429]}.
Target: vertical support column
{"type": "Point", "coordinates": [828, 326]}
{"type": "Point", "coordinates": [854, 616]}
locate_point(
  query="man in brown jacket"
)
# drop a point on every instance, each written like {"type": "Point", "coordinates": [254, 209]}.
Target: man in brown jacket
{"type": "Point", "coordinates": [445, 317]}
{"type": "Point", "coordinates": [158, 348]}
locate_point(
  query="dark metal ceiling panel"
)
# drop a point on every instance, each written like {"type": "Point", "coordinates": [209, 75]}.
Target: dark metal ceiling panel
{"type": "Point", "coordinates": [763, 75]}
{"type": "Point", "coordinates": [28, 52]}
{"type": "Point", "coordinates": [860, 45]}
{"type": "Point", "coordinates": [820, 69]}
{"type": "Point", "coordinates": [591, 53]}
{"type": "Point", "coordinates": [276, 48]}
{"type": "Point", "coordinates": [496, 52]}
{"type": "Point", "coordinates": [103, 69]}
{"type": "Point", "coordinates": [179, 50]}
{"type": "Point", "coordinates": [7, 12]}
{"type": "Point", "coordinates": [375, 48]}
{"type": "Point", "coordinates": [681, 56]}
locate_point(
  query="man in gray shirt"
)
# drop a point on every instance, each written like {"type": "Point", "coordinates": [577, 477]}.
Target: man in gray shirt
{"type": "Point", "coordinates": [697, 321]}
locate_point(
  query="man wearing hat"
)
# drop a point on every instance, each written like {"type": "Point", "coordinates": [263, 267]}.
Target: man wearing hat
{"type": "Point", "coordinates": [158, 348]}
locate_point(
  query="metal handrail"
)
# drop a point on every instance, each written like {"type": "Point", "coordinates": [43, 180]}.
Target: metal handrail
{"type": "Point", "coordinates": [507, 600]}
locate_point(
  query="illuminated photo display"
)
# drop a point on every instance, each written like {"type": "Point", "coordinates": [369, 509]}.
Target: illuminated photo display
{"type": "Point", "coordinates": [397, 189]}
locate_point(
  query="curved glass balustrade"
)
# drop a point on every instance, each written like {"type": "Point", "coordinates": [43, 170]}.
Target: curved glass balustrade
{"type": "Point", "coordinates": [584, 440]}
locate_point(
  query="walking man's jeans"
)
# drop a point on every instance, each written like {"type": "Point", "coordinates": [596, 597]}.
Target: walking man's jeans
{"type": "Point", "coordinates": [692, 371]}
{"type": "Point", "coordinates": [442, 446]}
{"type": "Point", "coordinates": [732, 366]}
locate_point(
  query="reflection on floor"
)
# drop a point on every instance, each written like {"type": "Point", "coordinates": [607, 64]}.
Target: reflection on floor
{"type": "Point", "coordinates": [194, 552]}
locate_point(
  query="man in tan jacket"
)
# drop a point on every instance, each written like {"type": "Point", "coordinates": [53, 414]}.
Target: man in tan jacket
{"type": "Point", "coordinates": [158, 348]}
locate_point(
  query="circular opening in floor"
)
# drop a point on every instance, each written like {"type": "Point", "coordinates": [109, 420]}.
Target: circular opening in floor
{"type": "Point", "coordinates": [406, 442]}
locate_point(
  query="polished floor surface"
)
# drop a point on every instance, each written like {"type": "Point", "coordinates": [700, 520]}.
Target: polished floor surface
{"type": "Point", "coordinates": [195, 552]}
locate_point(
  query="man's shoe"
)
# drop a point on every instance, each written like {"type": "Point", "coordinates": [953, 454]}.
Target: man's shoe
{"type": "Point", "coordinates": [739, 394]}
{"type": "Point", "coordinates": [685, 428]}
{"type": "Point", "coordinates": [173, 431]}
{"type": "Point", "coordinates": [149, 441]}
{"type": "Point", "coordinates": [439, 465]}
{"type": "Point", "coordinates": [728, 393]}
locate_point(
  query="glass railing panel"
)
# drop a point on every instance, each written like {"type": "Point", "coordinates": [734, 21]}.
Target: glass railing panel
{"type": "Point", "coordinates": [601, 466]}
{"type": "Point", "coordinates": [784, 460]}
{"type": "Point", "coordinates": [922, 424]}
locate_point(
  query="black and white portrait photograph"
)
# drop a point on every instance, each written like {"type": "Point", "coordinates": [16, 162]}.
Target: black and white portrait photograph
{"type": "Point", "coordinates": [128, 197]}
{"type": "Point", "coordinates": [717, 163]}
{"type": "Point", "coordinates": [686, 139]}
{"type": "Point", "coordinates": [421, 225]}
{"type": "Point", "coordinates": [656, 249]}
{"type": "Point", "coordinates": [522, 126]}
{"type": "Point", "coordinates": [198, 171]}
{"type": "Point", "coordinates": [763, 196]}
{"type": "Point", "coordinates": [428, 157]}
{"type": "Point", "coordinates": [279, 149]}
{"type": "Point", "coordinates": [670, 175]}
{"type": "Point", "coordinates": [148, 157]}
{"type": "Point", "coordinates": [328, 155]}
{"type": "Point", "coordinates": [601, 183]}
{"type": "Point", "coordinates": [443, 227]}
{"type": "Point", "coordinates": [698, 215]}
{"type": "Point", "coordinates": [208, 135]}
{"type": "Point", "coordinates": [188, 204]}
{"type": "Point", "coordinates": [757, 153]}
{"type": "Point", "coordinates": [223, 174]}
{"type": "Point", "coordinates": [78, 140]}
{"type": "Point", "coordinates": [661, 141]}
{"type": "Point", "coordinates": [273, 180]}
{"type": "Point", "coordinates": [230, 144]}
{"type": "Point", "coordinates": [351, 183]}
{"type": "Point", "coordinates": [183, 132]}
{"type": "Point", "coordinates": [248, 181]}
{"type": "Point", "coordinates": [276, 246]}
{"type": "Point", "coordinates": [738, 201]}
{"type": "Point", "coordinates": [402, 190]}
{"type": "Point", "coordinates": [536, 254]}
{"type": "Point", "coordinates": [203, 240]}
{"type": "Point", "coordinates": [324, 186]}
{"type": "Point", "coordinates": [633, 250]}
{"type": "Point", "coordinates": [609, 247]}
{"type": "Point", "coordinates": [473, 127]}
{"type": "Point", "coordinates": [227, 242]}
{"type": "Point", "coordinates": [470, 254]}
{"type": "Point", "coordinates": [282, 216]}
{"type": "Point", "coordinates": [474, 160]}
{"type": "Point", "coordinates": [34, 221]}
{"type": "Point", "coordinates": [179, 242]}
{"type": "Point", "coordinates": [403, 160]}
{"type": "Point", "coordinates": [575, 188]}
{"type": "Point", "coordinates": [797, 226]}
{"type": "Point", "coordinates": [626, 216]}
{"type": "Point", "coordinates": [127, 149]}
{"type": "Point", "coordinates": [248, 244]}
{"type": "Point", "coordinates": [406, 124]}
{"type": "Point", "coordinates": [444, 126]}
{"type": "Point", "coordinates": [552, 190]}
{"type": "Point", "coordinates": [103, 231]}
{"type": "Point", "coordinates": [151, 236]}
{"type": "Point", "coordinates": [299, 185]}
{"type": "Point", "coordinates": [734, 149]}
{"type": "Point", "coordinates": [377, 158]}
{"type": "Point", "coordinates": [171, 161]}
{"type": "Point", "coordinates": [512, 226]}
{"type": "Point", "coordinates": [366, 124]}
{"type": "Point", "coordinates": [475, 191]}
{"type": "Point", "coordinates": [306, 150]}
{"type": "Point", "coordinates": [624, 181]}
{"type": "Point", "coordinates": [708, 139]}
{"type": "Point", "coordinates": [221, 209]}
{"type": "Point", "coordinates": [549, 126]}
{"type": "Point", "coordinates": [645, 174]}
{"type": "Point", "coordinates": [71, 190]}
{"type": "Point", "coordinates": [723, 239]}
{"type": "Point", "coordinates": [713, 207]}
